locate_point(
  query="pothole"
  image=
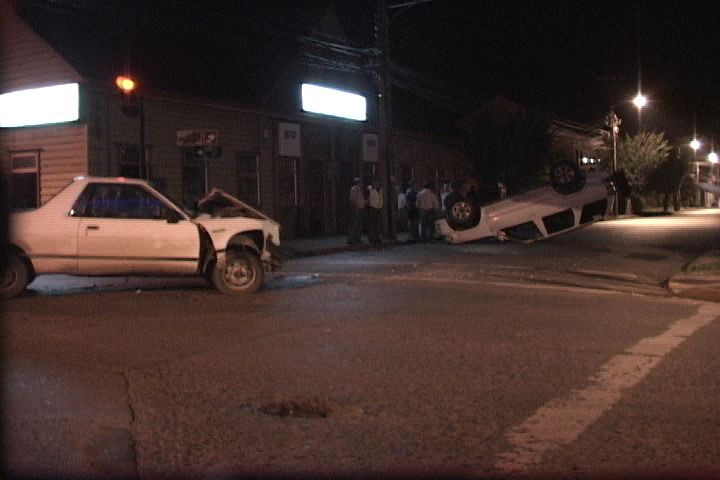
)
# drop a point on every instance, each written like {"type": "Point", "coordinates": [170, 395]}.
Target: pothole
{"type": "Point", "coordinates": [307, 409]}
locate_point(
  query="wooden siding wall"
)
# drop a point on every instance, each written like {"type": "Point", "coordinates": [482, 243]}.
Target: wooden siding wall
{"type": "Point", "coordinates": [63, 153]}
{"type": "Point", "coordinates": [239, 131]}
{"type": "Point", "coordinates": [424, 154]}
{"type": "Point", "coordinates": [27, 61]}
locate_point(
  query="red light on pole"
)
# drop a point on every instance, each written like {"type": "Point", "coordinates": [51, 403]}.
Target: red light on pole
{"type": "Point", "coordinates": [132, 105]}
{"type": "Point", "coordinates": [126, 84]}
{"type": "Point", "coordinates": [128, 89]}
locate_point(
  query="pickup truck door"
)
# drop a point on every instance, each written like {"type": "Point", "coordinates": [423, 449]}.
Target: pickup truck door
{"type": "Point", "coordinates": [125, 229]}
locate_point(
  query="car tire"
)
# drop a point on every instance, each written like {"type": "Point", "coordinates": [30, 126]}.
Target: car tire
{"type": "Point", "coordinates": [14, 277]}
{"type": "Point", "coordinates": [566, 177]}
{"type": "Point", "coordinates": [462, 214]}
{"type": "Point", "coordinates": [243, 273]}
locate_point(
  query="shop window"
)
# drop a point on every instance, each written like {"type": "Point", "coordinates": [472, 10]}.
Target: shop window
{"type": "Point", "coordinates": [408, 176]}
{"type": "Point", "coordinates": [129, 161]}
{"type": "Point", "coordinates": [288, 182]}
{"type": "Point", "coordinates": [193, 179]}
{"type": "Point", "coordinates": [24, 180]}
{"type": "Point", "coordinates": [369, 172]}
{"type": "Point", "coordinates": [247, 168]}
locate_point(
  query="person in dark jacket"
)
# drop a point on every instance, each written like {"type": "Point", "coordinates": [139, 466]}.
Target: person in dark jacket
{"type": "Point", "coordinates": [357, 212]}
{"type": "Point", "coordinates": [413, 214]}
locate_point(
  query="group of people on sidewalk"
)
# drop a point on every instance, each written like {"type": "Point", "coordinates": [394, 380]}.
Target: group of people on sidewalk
{"type": "Point", "coordinates": [421, 208]}
{"type": "Point", "coordinates": [365, 209]}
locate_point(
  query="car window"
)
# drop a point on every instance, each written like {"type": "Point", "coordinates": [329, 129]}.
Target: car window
{"type": "Point", "coordinates": [123, 201]}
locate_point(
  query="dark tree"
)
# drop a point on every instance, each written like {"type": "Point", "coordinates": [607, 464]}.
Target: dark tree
{"type": "Point", "coordinates": [508, 143]}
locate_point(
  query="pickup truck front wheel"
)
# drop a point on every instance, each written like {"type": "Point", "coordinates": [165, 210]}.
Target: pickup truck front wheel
{"type": "Point", "coordinates": [243, 273]}
{"type": "Point", "coordinates": [462, 214]}
{"type": "Point", "coordinates": [14, 277]}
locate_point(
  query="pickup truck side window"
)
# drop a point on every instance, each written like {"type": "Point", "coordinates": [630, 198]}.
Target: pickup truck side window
{"type": "Point", "coordinates": [110, 200]}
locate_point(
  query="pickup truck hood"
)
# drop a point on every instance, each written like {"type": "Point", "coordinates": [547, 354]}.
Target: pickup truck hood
{"type": "Point", "coordinates": [223, 215]}
{"type": "Point", "coordinates": [218, 203]}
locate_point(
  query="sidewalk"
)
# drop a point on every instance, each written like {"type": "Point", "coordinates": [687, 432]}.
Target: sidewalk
{"type": "Point", "coordinates": [308, 247]}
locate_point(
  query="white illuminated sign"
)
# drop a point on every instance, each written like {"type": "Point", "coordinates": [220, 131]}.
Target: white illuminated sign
{"type": "Point", "coordinates": [38, 106]}
{"type": "Point", "coordinates": [329, 101]}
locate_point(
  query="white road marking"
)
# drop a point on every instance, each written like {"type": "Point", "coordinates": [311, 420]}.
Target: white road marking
{"type": "Point", "coordinates": [560, 421]}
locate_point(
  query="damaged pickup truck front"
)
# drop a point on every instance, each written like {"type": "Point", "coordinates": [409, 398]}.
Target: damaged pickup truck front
{"type": "Point", "coordinates": [121, 226]}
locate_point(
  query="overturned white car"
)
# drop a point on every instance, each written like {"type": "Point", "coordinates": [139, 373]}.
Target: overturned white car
{"type": "Point", "coordinates": [122, 226]}
{"type": "Point", "coordinates": [573, 199]}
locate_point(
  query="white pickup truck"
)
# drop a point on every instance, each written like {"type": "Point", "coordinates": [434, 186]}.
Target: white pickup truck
{"type": "Point", "coordinates": [573, 199]}
{"type": "Point", "coordinates": [123, 226]}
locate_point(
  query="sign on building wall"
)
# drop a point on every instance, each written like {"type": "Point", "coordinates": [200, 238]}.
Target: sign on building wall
{"type": "Point", "coordinates": [196, 138]}
{"type": "Point", "coordinates": [289, 140]}
{"type": "Point", "coordinates": [371, 147]}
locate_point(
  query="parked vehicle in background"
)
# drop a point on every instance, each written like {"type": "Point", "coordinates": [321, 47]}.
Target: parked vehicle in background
{"type": "Point", "coordinates": [122, 226]}
{"type": "Point", "coordinates": [574, 198]}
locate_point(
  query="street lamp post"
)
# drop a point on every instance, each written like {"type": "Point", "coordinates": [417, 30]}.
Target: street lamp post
{"type": "Point", "coordinates": [713, 159]}
{"type": "Point", "coordinates": [133, 105]}
{"type": "Point", "coordinates": [614, 123]}
{"type": "Point", "coordinates": [695, 145]}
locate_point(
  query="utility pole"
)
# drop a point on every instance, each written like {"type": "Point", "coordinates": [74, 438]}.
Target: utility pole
{"type": "Point", "coordinates": [614, 123]}
{"type": "Point", "coordinates": [384, 82]}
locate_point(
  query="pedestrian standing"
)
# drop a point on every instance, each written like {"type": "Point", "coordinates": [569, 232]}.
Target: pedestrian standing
{"type": "Point", "coordinates": [412, 213]}
{"type": "Point", "coordinates": [444, 192]}
{"type": "Point", "coordinates": [357, 211]}
{"type": "Point", "coordinates": [374, 213]}
{"type": "Point", "coordinates": [428, 207]}
{"type": "Point", "coordinates": [402, 209]}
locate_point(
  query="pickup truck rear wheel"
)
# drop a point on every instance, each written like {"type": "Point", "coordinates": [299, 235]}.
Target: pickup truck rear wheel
{"type": "Point", "coordinates": [14, 277]}
{"type": "Point", "coordinates": [243, 273]}
{"type": "Point", "coordinates": [566, 177]}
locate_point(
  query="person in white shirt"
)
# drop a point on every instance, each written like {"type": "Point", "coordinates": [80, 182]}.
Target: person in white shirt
{"type": "Point", "coordinates": [374, 213]}
{"type": "Point", "coordinates": [428, 206]}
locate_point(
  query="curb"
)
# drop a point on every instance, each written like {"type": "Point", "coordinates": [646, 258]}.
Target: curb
{"type": "Point", "coordinates": [700, 279]}
{"type": "Point", "coordinates": [300, 253]}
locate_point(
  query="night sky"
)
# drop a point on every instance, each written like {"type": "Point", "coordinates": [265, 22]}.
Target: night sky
{"type": "Point", "coordinates": [572, 59]}
{"type": "Point", "coordinates": [576, 59]}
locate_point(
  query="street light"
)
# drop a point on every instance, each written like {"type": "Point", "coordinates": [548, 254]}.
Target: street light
{"type": "Point", "coordinates": [695, 145]}
{"type": "Point", "coordinates": [640, 101]}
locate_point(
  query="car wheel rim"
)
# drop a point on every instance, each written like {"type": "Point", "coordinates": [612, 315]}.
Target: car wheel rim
{"type": "Point", "coordinates": [8, 278]}
{"type": "Point", "coordinates": [461, 211]}
{"type": "Point", "coordinates": [564, 174]}
{"type": "Point", "coordinates": [238, 273]}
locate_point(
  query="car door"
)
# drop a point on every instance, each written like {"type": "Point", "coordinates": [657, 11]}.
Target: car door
{"type": "Point", "coordinates": [124, 229]}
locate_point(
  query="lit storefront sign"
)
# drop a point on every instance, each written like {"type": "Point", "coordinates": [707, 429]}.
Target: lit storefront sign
{"type": "Point", "coordinates": [337, 103]}
{"type": "Point", "coordinates": [39, 106]}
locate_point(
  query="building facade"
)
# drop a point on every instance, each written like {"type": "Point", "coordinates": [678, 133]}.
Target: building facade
{"type": "Point", "coordinates": [294, 165]}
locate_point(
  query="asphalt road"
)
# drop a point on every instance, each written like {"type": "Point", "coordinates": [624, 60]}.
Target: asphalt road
{"type": "Point", "coordinates": [559, 358]}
